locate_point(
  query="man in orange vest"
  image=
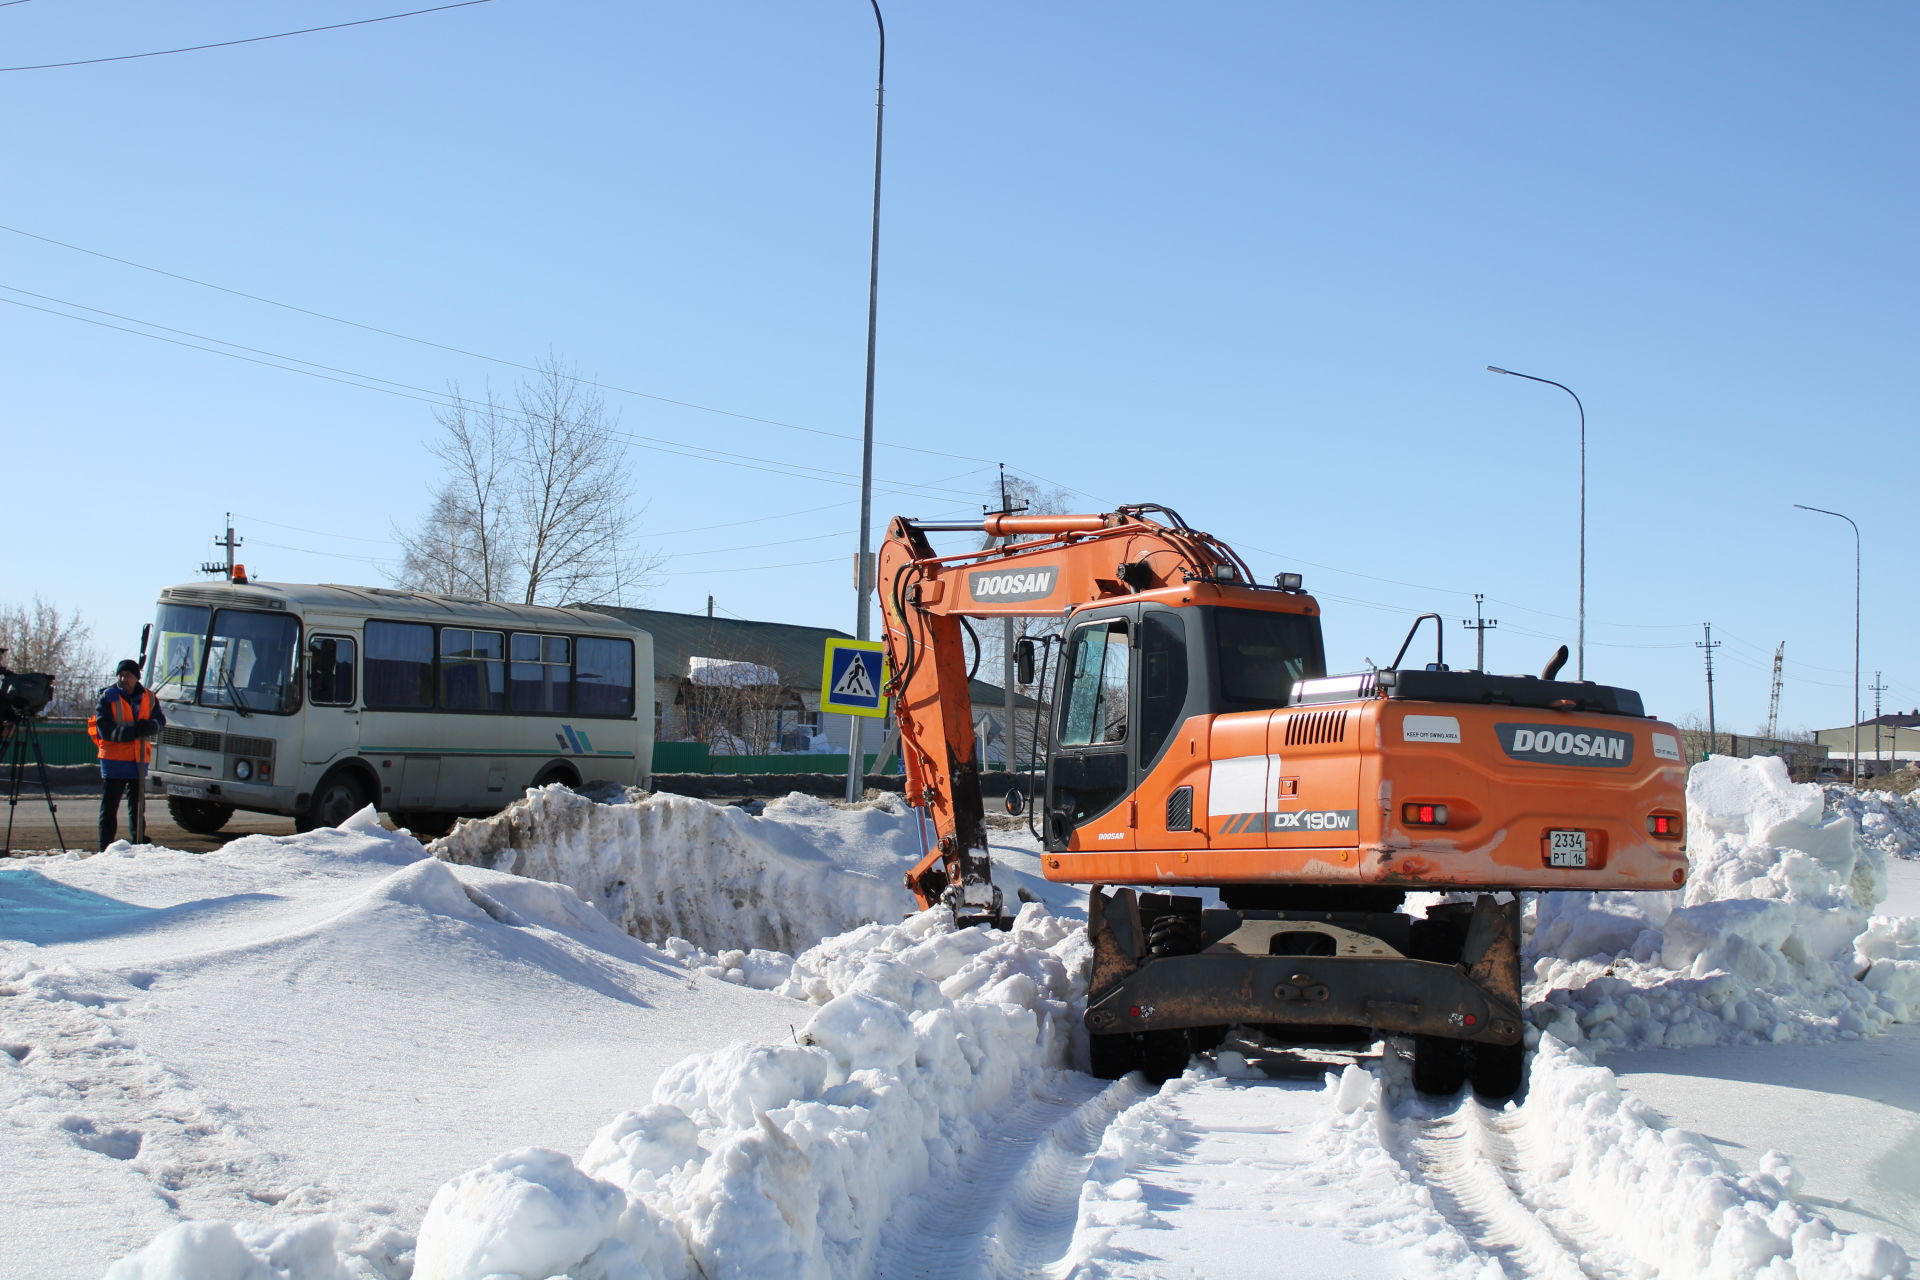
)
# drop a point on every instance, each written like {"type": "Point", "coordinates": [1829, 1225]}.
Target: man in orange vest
{"type": "Point", "coordinates": [124, 726]}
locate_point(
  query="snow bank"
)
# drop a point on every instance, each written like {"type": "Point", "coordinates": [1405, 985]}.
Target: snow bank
{"type": "Point", "coordinates": [668, 866]}
{"type": "Point", "coordinates": [1772, 939]}
{"type": "Point", "coordinates": [783, 1159]}
{"type": "Point", "coordinates": [1885, 820]}
{"type": "Point", "coordinates": [1669, 1198]}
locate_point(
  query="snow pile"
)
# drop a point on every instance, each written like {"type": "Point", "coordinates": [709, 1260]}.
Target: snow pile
{"type": "Point", "coordinates": [1673, 1202]}
{"type": "Point", "coordinates": [668, 866]}
{"type": "Point", "coordinates": [1886, 820]}
{"type": "Point", "coordinates": [783, 1159]}
{"type": "Point", "coordinates": [1772, 939]}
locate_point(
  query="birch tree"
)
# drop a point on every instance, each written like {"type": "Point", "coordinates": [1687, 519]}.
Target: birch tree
{"type": "Point", "coordinates": [39, 637]}
{"type": "Point", "coordinates": [535, 505]}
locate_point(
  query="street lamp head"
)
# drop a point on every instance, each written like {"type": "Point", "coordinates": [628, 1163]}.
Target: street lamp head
{"type": "Point", "coordinates": [1494, 368]}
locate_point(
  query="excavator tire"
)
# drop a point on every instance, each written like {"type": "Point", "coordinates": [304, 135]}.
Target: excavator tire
{"type": "Point", "coordinates": [1497, 1070]}
{"type": "Point", "coordinates": [1157, 1055]}
{"type": "Point", "coordinates": [1439, 1064]}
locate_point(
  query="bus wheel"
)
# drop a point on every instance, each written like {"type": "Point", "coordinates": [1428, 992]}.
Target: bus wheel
{"type": "Point", "coordinates": [557, 773]}
{"type": "Point", "coordinates": [426, 826]}
{"type": "Point", "coordinates": [338, 797]}
{"type": "Point", "coordinates": [202, 817]}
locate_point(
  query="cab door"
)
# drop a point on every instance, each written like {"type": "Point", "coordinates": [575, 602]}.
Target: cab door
{"type": "Point", "coordinates": [1091, 773]}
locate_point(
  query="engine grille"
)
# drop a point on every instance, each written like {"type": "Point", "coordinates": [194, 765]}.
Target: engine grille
{"type": "Point", "coordinates": [192, 739]}
{"type": "Point", "coordinates": [206, 740]}
{"type": "Point", "coordinates": [1309, 728]}
{"type": "Point", "coordinates": [258, 747]}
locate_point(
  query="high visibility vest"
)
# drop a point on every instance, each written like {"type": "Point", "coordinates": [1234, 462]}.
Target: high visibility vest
{"type": "Point", "coordinates": [139, 750]}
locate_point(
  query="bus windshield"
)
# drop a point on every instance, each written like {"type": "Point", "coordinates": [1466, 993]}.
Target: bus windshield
{"type": "Point", "coordinates": [180, 632]}
{"type": "Point", "coordinates": [251, 662]}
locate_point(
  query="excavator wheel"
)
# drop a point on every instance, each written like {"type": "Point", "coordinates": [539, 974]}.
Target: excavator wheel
{"type": "Point", "coordinates": [1157, 1055]}
{"type": "Point", "coordinates": [1497, 1070]}
{"type": "Point", "coordinates": [1439, 1064]}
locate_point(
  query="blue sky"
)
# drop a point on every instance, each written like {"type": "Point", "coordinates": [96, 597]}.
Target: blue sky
{"type": "Point", "coordinates": [1247, 260]}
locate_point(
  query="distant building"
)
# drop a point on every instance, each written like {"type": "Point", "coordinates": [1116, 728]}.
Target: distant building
{"type": "Point", "coordinates": [1887, 742]}
{"type": "Point", "coordinates": [753, 688]}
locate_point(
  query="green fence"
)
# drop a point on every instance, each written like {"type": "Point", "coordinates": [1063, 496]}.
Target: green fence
{"type": "Point", "coordinates": [65, 741]}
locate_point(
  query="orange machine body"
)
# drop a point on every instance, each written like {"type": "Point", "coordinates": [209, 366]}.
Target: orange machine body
{"type": "Point", "coordinates": [1417, 779]}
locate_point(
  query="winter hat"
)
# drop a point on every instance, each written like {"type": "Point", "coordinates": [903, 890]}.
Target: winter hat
{"type": "Point", "coordinates": [126, 665]}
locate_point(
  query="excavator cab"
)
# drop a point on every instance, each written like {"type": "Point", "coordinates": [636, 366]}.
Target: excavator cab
{"type": "Point", "coordinates": [1132, 674]}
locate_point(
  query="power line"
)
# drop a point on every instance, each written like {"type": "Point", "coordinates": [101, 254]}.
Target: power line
{"type": "Point", "coordinates": [228, 44]}
{"type": "Point", "coordinates": [471, 355]}
{"type": "Point", "coordinates": [406, 391]}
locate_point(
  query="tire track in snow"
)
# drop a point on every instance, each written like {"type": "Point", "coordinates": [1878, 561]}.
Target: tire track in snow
{"type": "Point", "coordinates": [1011, 1208]}
{"type": "Point", "coordinates": [1483, 1175]}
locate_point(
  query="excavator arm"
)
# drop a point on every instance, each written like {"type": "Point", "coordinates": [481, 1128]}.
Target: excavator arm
{"type": "Point", "coordinates": [1049, 565]}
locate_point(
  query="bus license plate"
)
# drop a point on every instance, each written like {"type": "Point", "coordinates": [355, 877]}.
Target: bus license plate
{"type": "Point", "coordinates": [192, 790]}
{"type": "Point", "coordinates": [1566, 848]}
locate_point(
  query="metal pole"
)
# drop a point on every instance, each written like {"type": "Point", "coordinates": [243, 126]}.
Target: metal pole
{"type": "Point", "coordinates": [1580, 639]}
{"type": "Point", "coordinates": [863, 575]}
{"type": "Point", "coordinates": [1853, 771]}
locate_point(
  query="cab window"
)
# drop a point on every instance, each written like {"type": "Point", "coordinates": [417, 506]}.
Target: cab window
{"type": "Point", "coordinates": [1095, 709]}
{"type": "Point", "coordinates": [1262, 654]}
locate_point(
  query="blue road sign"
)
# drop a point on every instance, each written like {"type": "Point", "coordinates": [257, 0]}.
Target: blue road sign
{"type": "Point", "coordinates": [851, 682]}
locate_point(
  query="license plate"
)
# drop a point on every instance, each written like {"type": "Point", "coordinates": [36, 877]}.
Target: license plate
{"type": "Point", "coordinates": [194, 790]}
{"type": "Point", "coordinates": [1566, 848]}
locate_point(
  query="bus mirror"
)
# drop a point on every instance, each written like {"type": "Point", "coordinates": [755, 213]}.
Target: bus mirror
{"type": "Point", "coordinates": [1023, 660]}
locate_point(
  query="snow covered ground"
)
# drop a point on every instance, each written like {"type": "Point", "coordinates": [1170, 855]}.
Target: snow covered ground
{"type": "Point", "coordinates": [331, 1055]}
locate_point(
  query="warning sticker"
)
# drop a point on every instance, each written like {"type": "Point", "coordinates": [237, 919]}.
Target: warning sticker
{"type": "Point", "coordinates": [851, 680]}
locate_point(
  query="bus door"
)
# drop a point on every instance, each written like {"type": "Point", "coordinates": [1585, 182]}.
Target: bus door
{"type": "Point", "coordinates": [332, 719]}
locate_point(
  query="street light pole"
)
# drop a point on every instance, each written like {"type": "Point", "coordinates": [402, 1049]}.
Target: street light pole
{"type": "Point", "coordinates": [863, 572]}
{"type": "Point", "coordinates": [1580, 638]}
{"type": "Point", "coordinates": [1853, 768]}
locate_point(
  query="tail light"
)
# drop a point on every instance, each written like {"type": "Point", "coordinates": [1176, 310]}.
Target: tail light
{"type": "Point", "coordinates": [1416, 814]}
{"type": "Point", "coordinates": [1665, 826]}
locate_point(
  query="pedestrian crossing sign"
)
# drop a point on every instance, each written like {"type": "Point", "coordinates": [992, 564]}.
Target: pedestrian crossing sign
{"type": "Point", "coordinates": [851, 683]}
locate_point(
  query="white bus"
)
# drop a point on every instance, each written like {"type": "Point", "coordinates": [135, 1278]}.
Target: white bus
{"type": "Point", "coordinates": [313, 701]}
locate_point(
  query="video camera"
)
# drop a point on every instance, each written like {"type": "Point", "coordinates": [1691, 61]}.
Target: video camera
{"type": "Point", "coordinates": [25, 694]}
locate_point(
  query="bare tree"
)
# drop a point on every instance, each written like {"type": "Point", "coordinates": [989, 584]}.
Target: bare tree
{"type": "Point", "coordinates": [39, 637]}
{"type": "Point", "coordinates": [535, 506]}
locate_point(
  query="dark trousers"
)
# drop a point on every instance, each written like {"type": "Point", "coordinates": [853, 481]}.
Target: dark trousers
{"type": "Point", "coordinates": [111, 789]}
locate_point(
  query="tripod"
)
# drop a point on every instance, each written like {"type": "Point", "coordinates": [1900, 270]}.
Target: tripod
{"type": "Point", "coordinates": [19, 736]}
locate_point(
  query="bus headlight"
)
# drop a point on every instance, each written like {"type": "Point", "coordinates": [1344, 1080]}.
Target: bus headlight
{"type": "Point", "coordinates": [243, 769]}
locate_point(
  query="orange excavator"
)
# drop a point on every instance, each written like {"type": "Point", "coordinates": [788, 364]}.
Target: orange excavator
{"type": "Point", "coordinates": [1250, 825]}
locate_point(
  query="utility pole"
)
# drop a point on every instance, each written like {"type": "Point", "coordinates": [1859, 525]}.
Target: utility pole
{"type": "Point", "coordinates": [1773, 702]}
{"type": "Point", "coordinates": [1481, 626]}
{"type": "Point", "coordinates": [863, 567]}
{"type": "Point", "coordinates": [1006, 646]}
{"type": "Point", "coordinates": [1709, 644]}
{"type": "Point", "coordinates": [709, 606]}
{"type": "Point", "coordinates": [232, 544]}
{"type": "Point", "coordinates": [1877, 688]}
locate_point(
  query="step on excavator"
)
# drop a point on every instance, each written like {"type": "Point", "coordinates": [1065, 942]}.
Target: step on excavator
{"type": "Point", "coordinates": [1249, 826]}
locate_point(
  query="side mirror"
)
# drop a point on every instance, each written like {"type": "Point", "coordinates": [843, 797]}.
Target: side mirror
{"type": "Point", "coordinates": [1016, 801]}
{"type": "Point", "coordinates": [1023, 660]}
